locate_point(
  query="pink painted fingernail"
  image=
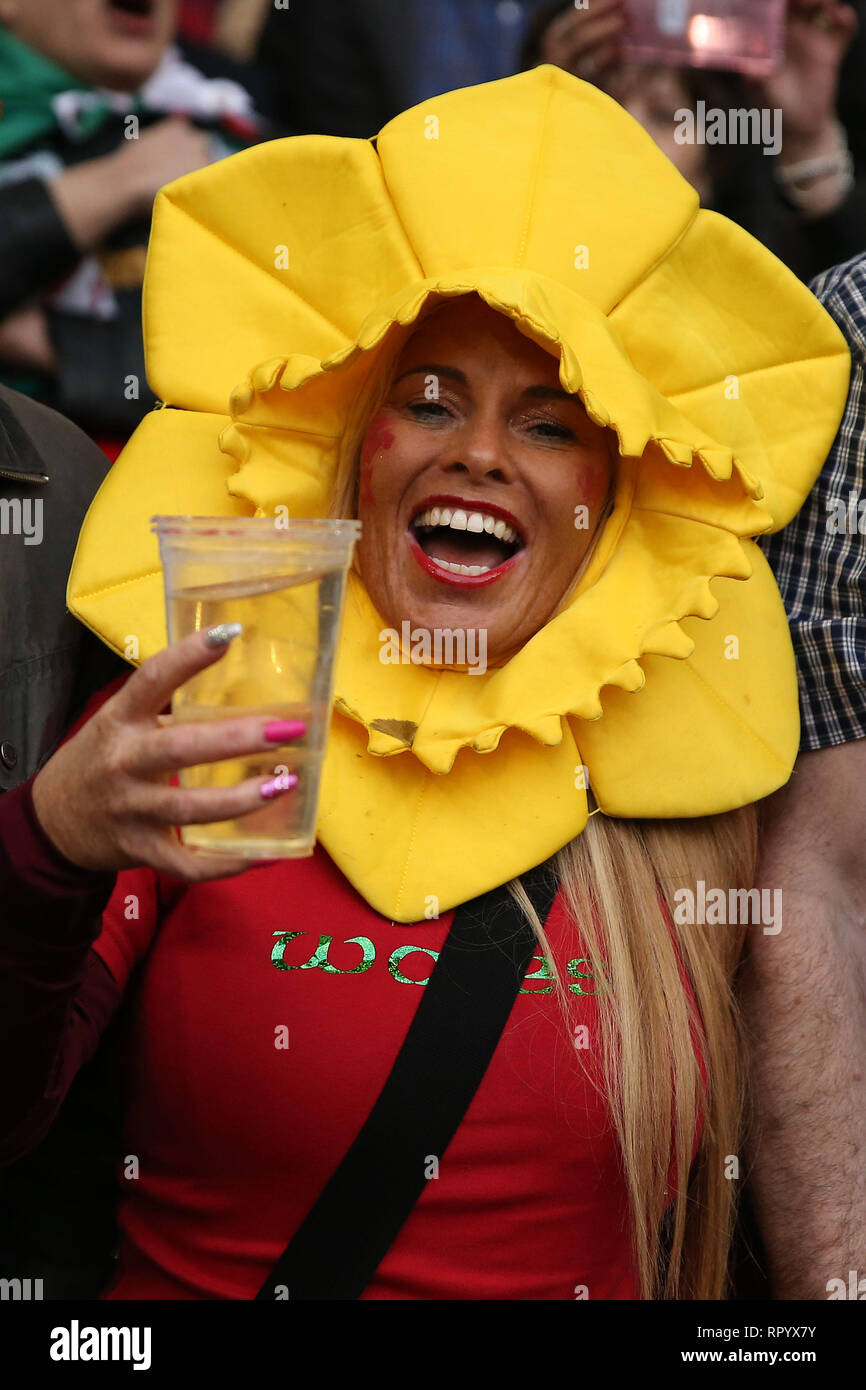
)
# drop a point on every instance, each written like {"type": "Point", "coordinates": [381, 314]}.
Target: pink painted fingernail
{"type": "Point", "coordinates": [278, 785]}
{"type": "Point", "coordinates": [281, 730]}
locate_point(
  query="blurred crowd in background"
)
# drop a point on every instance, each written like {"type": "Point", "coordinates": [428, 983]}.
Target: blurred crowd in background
{"type": "Point", "coordinates": [104, 101]}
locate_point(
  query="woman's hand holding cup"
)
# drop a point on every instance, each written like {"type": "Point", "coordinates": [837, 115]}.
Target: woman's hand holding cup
{"type": "Point", "coordinates": [105, 797]}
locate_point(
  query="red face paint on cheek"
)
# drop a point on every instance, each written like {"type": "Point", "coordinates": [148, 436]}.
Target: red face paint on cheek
{"type": "Point", "coordinates": [592, 480]}
{"type": "Point", "coordinates": [379, 437]}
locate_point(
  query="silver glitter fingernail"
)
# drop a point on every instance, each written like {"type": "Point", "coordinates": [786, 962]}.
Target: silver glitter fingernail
{"type": "Point", "coordinates": [222, 634]}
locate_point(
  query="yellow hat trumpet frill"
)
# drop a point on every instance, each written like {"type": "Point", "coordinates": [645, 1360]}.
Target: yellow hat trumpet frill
{"type": "Point", "coordinates": [275, 280]}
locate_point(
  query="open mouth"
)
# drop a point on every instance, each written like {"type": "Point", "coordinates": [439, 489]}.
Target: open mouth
{"type": "Point", "coordinates": [466, 541]}
{"type": "Point", "coordinates": [133, 15]}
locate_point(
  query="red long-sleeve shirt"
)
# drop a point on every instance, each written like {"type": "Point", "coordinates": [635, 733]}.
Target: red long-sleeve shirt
{"type": "Point", "coordinates": [56, 995]}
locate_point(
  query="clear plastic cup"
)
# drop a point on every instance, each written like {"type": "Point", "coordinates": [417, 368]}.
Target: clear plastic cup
{"type": "Point", "coordinates": [285, 585]}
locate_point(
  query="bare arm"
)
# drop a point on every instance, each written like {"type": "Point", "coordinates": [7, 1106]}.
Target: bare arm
{"type": "Point", "coordinates": [95, 197]}
{"type": "Point", "coordinates": [804, 998]}
{"type": "Point", "coordinates": [92, 199]}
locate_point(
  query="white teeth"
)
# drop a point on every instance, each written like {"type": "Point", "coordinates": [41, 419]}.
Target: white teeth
{"type": "Point", "coordinates": [459, 569]}
{"type": "Point", "coordinates": [460, 520]}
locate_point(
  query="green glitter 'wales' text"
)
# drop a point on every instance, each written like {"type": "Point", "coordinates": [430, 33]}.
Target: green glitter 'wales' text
{"type": "Point", "coordinates": [319, 961]}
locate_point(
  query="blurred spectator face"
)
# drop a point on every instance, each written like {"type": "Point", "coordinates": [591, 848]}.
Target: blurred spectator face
{"type": "Point", "coordinates": [105, 43]}
{"type": "Point", "coordinates": [653, 96]}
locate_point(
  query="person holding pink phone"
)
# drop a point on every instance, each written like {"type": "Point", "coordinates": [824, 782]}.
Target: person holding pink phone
{"type": "Point", "coordinates": [800, 195]}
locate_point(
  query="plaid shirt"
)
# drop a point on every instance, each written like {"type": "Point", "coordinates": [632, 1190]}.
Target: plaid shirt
{"type": "Point", "coordinates": [819, 560]}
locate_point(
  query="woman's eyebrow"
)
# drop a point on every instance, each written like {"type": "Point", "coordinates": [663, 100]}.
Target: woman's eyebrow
{"type": "Point", "coordinates": [438, 369]}
{"type": "Point", "coordinates": [550, 393]}
{"type": "Point", "coordinates": [434, 369]}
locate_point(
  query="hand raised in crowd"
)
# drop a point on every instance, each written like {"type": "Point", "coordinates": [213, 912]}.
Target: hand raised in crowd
{"type": "Point", "coordinates": [586, 42]}
{"type": "Point", "coordinates": [818, 35]}
{"type": "Point", "coordinates": [806, 88]}
{"type": "Point", "coordinates": [104, 798]}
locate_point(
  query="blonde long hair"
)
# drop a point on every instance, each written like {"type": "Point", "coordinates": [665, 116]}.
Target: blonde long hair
{"type": "Point", "coordinates": [614, 878]}
{"type": "Point", "coordinates": [618, 880]}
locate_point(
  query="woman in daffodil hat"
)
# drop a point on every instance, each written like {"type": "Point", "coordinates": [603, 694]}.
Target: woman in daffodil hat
{"type": "Point", "coordinates": [562, 400]}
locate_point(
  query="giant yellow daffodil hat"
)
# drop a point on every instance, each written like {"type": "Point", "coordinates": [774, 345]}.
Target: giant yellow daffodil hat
{"type": "Point", "coordinates": [274, 280]}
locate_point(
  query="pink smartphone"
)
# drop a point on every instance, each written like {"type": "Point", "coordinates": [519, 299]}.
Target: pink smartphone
{"type": "Point", "coordinates": [744, 35]}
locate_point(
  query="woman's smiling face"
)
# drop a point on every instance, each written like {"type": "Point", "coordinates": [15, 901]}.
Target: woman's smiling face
{"type": "Point", "coordinates": [482, 482]}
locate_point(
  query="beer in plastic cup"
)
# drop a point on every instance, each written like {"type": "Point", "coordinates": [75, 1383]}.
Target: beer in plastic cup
{"type": "Point", "coordinates": [285, 584]}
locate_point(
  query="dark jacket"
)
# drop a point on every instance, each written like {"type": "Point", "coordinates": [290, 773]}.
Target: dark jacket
{"type": "Point", "coordinates": [57, 1204]}
{"type": "Point", "coordinates": [49, 663]}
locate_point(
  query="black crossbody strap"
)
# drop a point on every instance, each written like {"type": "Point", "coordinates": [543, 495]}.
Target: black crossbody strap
{"type": "Point", "coordinates": [343, 1239]}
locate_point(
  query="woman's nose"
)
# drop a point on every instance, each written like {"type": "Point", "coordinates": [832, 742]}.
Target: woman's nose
{"type": "Point", "coordinates": [481, 451]}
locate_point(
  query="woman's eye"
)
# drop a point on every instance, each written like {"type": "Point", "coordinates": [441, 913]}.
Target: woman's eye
{"type": "Point", "coordinates": [551, 429]}
{"type": "Point", "coordinates": [427, 410]}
